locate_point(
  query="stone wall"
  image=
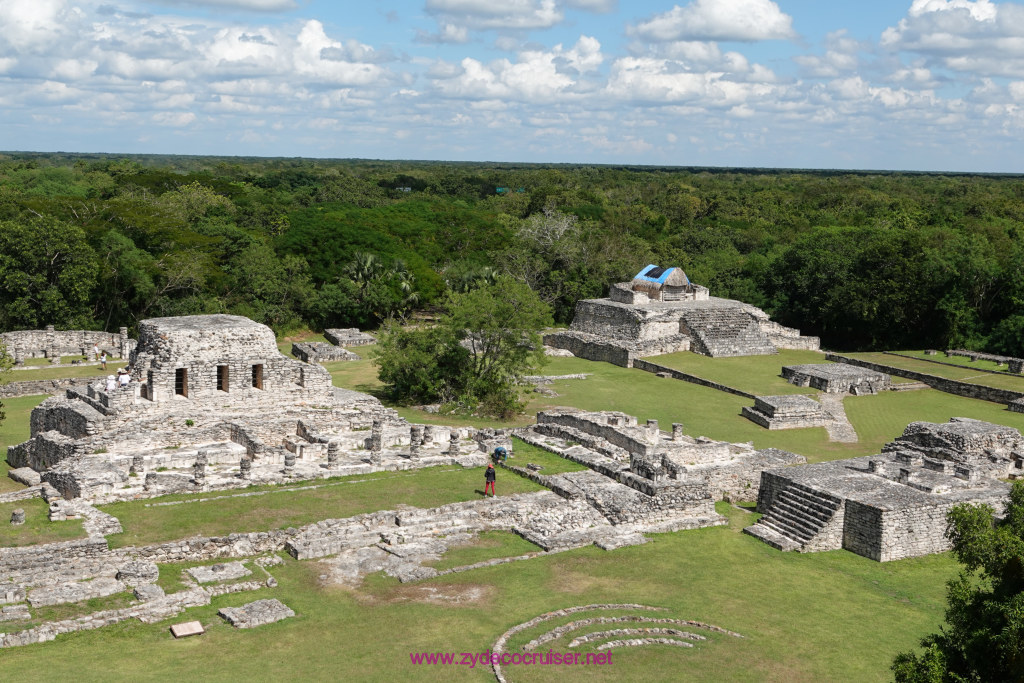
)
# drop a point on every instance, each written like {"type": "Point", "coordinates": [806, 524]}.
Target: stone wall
{"type": "Point", "coordinates": [950, 386]}
{"type": "Point", "coordinates": [591, 349]}
{"type": "Point", "coordinates": [648, 366]}
{"type": "Point", "coordinates": [640, 443]}
{"type": "Point", "coordinates": [35, 387]}
{"type": "Point", "coordinates": [51, 343]}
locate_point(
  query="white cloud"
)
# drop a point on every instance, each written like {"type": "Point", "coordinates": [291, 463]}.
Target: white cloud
{"type": "Point", "coordinates": [252, 5]}
{"type": "Point", "coordinates": [34, 26]}
{"type": "Point", "coordinates": [977, 37]}
{"type": "Point", "coordinates": [505, 15]}
{"type": "Point", "coordinates": [174, 119]}
{"type": "Point", "coordinates": [733, 20]}
{"type": "Point", "coordinates": [533, 78]}
{"type": "Point", "coordinates": [599, 6]}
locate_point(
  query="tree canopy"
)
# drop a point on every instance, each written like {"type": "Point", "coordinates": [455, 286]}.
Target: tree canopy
{"type": "Point", "coordinates": [475, 356]}
{"type": "Point", "coordinates": [983, 638]}
{"type": "Point", "coordinates": [864, 260]}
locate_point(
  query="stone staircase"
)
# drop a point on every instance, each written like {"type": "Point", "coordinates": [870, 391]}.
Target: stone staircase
{"type": "Point", "coordinates": [797, 516]}
{"type": "Point", "coordinates": [726, 331]}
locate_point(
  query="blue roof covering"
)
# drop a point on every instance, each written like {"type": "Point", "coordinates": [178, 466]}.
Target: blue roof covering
{"type": "Point", "coordinates": [653, 273]}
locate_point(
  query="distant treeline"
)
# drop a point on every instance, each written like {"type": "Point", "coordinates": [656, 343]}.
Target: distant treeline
{"type": "Point", "coordinates": [865, 260]}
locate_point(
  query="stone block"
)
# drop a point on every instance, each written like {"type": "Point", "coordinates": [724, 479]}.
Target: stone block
{"type": "Point", "coordinates": [188, 628]}
{"type": "Point", "coordinates": [25, 475]}
{"type": "Point", "coordinates": [219, 572]}
{"type": "Point", "coordinates": [256, 613]}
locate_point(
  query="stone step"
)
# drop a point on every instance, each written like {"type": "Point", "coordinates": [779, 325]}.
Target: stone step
{"type": "Point", "coordinates": [786, 532]}
{"type": "Point", "coordinates": [772, 537]}
{"type": "Point", "coordinates": [807, 506]}
{"type": "Point", "coordinates": [789, 527]}
{"type": "Point", "coordinates": [830, 501]}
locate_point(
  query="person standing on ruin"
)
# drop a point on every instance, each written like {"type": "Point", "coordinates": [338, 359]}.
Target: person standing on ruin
{"type": "Point", "coordinates": [489, 477]}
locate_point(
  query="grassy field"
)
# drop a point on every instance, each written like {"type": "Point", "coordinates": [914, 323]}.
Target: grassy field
{"type": "Point", "coordinates": [37, 527]}
{"type": "Point", "coordinates": [524, 453]}
{"type": "Point", "coordinates": [813, 617]}
{"type": "Point", "coordinates": [281, 508]}
{"type": "Point", "coordinates": [951, 371]}
{"type": "Point", "coordinates": [963, 361]}
{"type": "Point", "coordinates": [14, 429]}
{"type": "Point", "coordinates": [758, 375]}
{"type": "Point", "coordinates": [824, 616]}
{"type": "Point", "coordinates": [47, 372]}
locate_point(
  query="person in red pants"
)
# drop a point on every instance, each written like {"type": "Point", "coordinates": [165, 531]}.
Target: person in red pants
{"type": "Point", "coordinates": [489, 480]}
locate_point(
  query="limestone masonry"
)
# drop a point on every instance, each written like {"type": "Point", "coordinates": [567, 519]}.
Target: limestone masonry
{"type": "Point", "coordinates": [213, 404]}
{"type": "Point", "coordinates": [661, 311]}
{"type": "Point", "coordinates": [892, 505]}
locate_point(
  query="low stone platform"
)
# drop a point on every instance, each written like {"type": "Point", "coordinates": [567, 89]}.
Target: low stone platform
{"type": "Point", "coordinates": [257, 613]}
{"type": "Point", "coordinates": [349, 336]}
{"type": "Point", "coordinates": [837, 378]}
{"type": "Point", "coordinates": [786, 412]}
{"type": "Point", "coordinates": [219, 572]}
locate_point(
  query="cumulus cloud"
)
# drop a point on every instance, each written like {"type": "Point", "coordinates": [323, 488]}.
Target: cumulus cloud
{"type": "Point", "coordinates": [975, 36]}
{"type": "Point", "coordinates": [487, 14]}
{"type": "Point", "coordinates": [251, 5]}
{"type": "Point", "coordinates": [841, 56]}
{"type": "Point", "coordinates": [710, 20]}
{"type": "Point", "coordinates": [533, 78]}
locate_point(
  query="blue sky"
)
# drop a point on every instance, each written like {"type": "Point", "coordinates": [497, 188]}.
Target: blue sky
{"type": "Point", "coordinates": [920, 84]}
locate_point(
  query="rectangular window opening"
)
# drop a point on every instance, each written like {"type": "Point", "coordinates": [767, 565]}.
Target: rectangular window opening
{"type": "Point", "coordinates": [257, 376]}
{"type": "Point", "coordinates": [181, 382]}
{"type": "Point", "coordinates": [222, 378]}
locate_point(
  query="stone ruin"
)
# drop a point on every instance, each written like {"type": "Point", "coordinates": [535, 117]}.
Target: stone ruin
{"type": "Point", "coordinates": [349, 336]}
{"type": "Point", "coordinates": [321, 352]}
{"type": "Point", "coordinates": [793, 411]}
{"type": "Point", "coordinates": [892, 505]}
{"type": "Point", "coordinates": [837, 378]}
{"type": "Point", "coordinates": [661, 311]}
{"type": "Point", "coordinates": [672, 471]}
{"type": "Point", "coordinates": [214, 404]}
{"type": "Point", "coordinates": [53, 344]}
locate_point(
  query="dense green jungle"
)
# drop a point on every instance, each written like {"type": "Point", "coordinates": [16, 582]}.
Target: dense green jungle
{"type": "Point", "coordinates": [866, 260]}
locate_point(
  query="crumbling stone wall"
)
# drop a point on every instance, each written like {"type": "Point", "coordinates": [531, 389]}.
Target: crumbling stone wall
{"type": "Point", "coordinates": [53, 344]}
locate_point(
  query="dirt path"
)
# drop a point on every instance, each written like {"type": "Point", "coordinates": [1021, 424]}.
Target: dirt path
{"type": "Point", "coordinates": [839, 429]}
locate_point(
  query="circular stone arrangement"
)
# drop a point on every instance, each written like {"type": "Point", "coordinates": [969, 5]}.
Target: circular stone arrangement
{"type": "Point", "coordinates": [649, 631]}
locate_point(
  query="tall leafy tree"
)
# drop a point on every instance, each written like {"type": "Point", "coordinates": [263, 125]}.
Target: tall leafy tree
{"type": "Point", "coordinates": [47, 274]}
{"type": "Point", "coordinates": [983, 638]}
{"type": "Point", "coordinates": [476, 355]}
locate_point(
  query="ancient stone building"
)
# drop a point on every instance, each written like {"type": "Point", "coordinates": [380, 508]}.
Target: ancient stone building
{"type": "Point", "coordinates": [661, 311]}
{"type": "Point", "coordinates": [214, 404]}
{"type": "Point", "coordinates": [892, 505]}
{"type": "Point", "coordinates": [793, 411]}
{"type": "Point", "coordinates": [53, 344]}
{"type": "Point", "coordinates": [667, 467]}
{"type": "Point", "coordinates": [837, 378]}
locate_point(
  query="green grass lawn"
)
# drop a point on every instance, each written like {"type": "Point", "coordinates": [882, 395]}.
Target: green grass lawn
{"type": "Point", "coordinates": [815, 617]}
{"type": "Point", "coordinates": [37, 527]}
{"type": "Point", "coordinates": [487, 546]}
{"type": "Point", "coordinates": [805, 617]}
{"type": "Point", "coordinates": [13, 430]}
{"type": "Point", "coordinates": [524, 453]}
{"type": "Point", "coordinates": [758, 375]}
{"type": "Point", "coordinates": [285, 508]}
{"type": "Point", "coordinates": [963, 361]}
{"type": "Point", "coordinates": [881, 418]}
{"type": "Point", "coordinates": [46, 372]}
{"type": "Point", "coordinates": [951, 371]}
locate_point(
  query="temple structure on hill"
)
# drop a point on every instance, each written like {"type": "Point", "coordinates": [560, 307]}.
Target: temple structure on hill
{"type": "Point", "coordinates": [661, 311]}
{"type": "Point", "coordinates": [892, 505]}
{"type": "Point", "coordinates": [212, 403]}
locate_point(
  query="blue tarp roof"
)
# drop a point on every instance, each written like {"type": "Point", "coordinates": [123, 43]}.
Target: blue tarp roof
{"type": "Point", "coordinates": [653, 273]}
